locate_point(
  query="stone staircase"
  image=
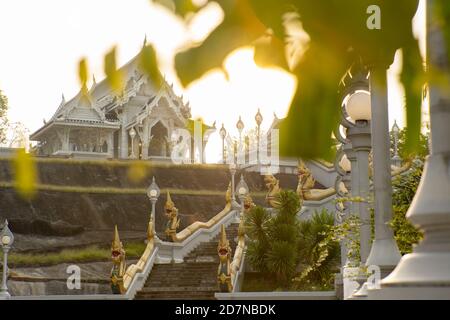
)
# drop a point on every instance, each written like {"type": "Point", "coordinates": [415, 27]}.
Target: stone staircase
{"type": "Point", "coordinates": [194, 279]}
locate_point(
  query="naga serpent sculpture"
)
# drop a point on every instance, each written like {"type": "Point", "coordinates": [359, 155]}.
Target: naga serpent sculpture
{"type": "Point", "coordinates": [224, 270]}
{"type": "Point", "coordinates": [119, 264]}
{"type": "Point", "coordinates": [173, 222]}
{"type": "Point", "coordinates": [274, 189]}
{"type": "Point", "coordinates": [305, 187]}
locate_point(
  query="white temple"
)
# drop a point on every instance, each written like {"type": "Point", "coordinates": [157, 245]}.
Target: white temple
{"type": "Point", "coordinates": [137, 124]}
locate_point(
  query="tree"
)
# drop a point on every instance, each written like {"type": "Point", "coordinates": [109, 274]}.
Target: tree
{"type": "Point", "coordinates": [404, 188]}
{"type": "Point", "coordinates": [319, 252]}
{"type": "Point", "coordinates": [405, 154]}
{"type": "Point", "coordinates": [284, 246]}
{"type": "Point", "coordinates": [273, 245]}
{"type": "Point", "coordinates": [3, 117]}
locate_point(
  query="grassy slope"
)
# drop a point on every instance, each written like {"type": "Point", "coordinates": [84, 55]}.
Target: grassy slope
{"type": "Point", "coordinates": [87, 254]}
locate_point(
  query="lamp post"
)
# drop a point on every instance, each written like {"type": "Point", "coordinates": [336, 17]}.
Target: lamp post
{"type": "Point", "coordinates": [132, 134]}
{"type": "Point", "coordinates": [223, 134]}
{"type": "Point", "coordinates": [242, 191]}
{"type": "Point", "coordinates": [358, 109]}
{"type": "Point", "coordinates": [259, 120]}
{"type": "Point", "coordinates": [233, 172]}
{"type": "Point", "coordinates": [424, 274]}
{"type": "Point", "coordinates": [343, 185]}
{"type": "Point", "coordinates": [396, 160]}
{"type": "Point", "coordinates": [240, 126]}
{"type": "Point", "coordinates": [355, 120]}
{"type": "Point", "coordinates": [153, 193]}
{"type": "Point", "coordinates": [7, 240]}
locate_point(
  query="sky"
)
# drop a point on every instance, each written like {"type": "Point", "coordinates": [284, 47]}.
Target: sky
{"type": "Point", "coordinates": [43, 41]}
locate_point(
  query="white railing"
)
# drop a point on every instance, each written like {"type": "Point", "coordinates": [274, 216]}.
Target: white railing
{"type": "Point", "coordinates": [174, 252]}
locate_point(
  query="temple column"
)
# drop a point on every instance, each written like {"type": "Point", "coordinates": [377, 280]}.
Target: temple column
{"type": "Point", "coordinates": [123, 137]}
{"type": "Point", "coordinates": [384, 252]}
{"type": "Point", "coordinates": [145, 140]}
{"type": "Point", "coordinates": [64, 137]}
{"type": "Point", "coordinates": [425, 273]}
{"type": "Point", "coordinates": [110, 143]}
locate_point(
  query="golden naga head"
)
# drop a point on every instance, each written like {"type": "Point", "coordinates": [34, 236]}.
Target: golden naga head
{"type": "Point", "coordinates": [117, 250]}
{"type": "Point", "coordinates": [302, 169]}
{"type": "Point", "coordinates": [274, 189]}
{"type": "Point", "coordinates": [223, 248]}
{"type": "Point", "coordinates": [270, 181]}
{"type": "Point", "coordinates": [170, 210]}
{"type": "Point", "coordinates": [248, 203]}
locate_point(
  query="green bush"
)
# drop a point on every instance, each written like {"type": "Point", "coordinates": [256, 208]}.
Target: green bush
{"type": "Point", "coordinates": [282, 246]}
{"type": "Point", "coordinates": [273, 245]}
{"type": "Point", "coordinates": [319, 252]}
{"type": "Point", "coordinates": [405, 187]}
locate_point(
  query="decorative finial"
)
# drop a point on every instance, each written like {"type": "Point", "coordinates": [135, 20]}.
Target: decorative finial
{"type": "Point", "coordinates": [145, 40]}
{"type": "Point", "coordinates": [240, 124]}
{"type": "Point", "coordinates": [169, 203]}
{"type": "Point", "coordinates": [93, 80]}
{"type": "Point", "coordinates": [116, 243]}
{"type": "Point", "coordinates": [63, 99]}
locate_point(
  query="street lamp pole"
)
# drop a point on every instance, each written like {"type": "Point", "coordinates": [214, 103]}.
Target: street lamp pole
{"type": "Point", "coordinates": [396, 160]}
{"type": "Point", "coordinates": [223, 134]}
{"type": "Point", "coordinates": [7, 239]}
{"type": "Point", "coordinates": [240, 127]}
{"type": "Point", "coordinates": [356, 115]}
{"type": "Point", "coordinates": [258, 119]}
{"type": "Point", "coordinates": [233, 172]}
{"type": "Point", "coordinates": [132, 136]}
{"type": "Point", "coordinates": [153, 193]}
{"type": "Point", "coordinates": [242, 190]}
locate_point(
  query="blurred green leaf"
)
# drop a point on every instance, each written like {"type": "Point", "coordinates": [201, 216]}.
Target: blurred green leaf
{"type": "Point", "coordinates": [339, 36]}
{"type": "Point", "coordinates": [413, 79]}
{"type": "Point", "coordinates": [271, 53]}
{"type": "Point", "coordinates": [180, 7]}
{"type": "Point", "coordinates": [148, 63]}
{"type": "Point", "coordinates": [239, 28]}
{"type": "Point", "coordinates": [113, 75]}
{"type": "Point", "coordinates": [314, 112]}
{"type": "Point", "coordinates": [25, 175]}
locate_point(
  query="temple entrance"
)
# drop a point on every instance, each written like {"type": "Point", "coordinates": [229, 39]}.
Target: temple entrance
{"type": "Point", "coordinates": [158, 144]}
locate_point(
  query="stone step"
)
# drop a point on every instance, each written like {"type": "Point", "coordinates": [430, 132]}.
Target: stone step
{"type": "Point", "coordinates": [195, 278]}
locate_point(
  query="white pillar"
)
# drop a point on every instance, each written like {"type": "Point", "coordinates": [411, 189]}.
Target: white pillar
{"type": "Point", "coordinates": [425, 273]}
{"type": "Point", "coordinates": [123, 137]}
{"type": "Point", "coordinates": [65, 140]}
{"type": "Point", "coordinates": [145, 140]}
{"type": "Point", "coordinates": [384, 252]}
{"type": "Point", "coordinates": [110, 142]}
